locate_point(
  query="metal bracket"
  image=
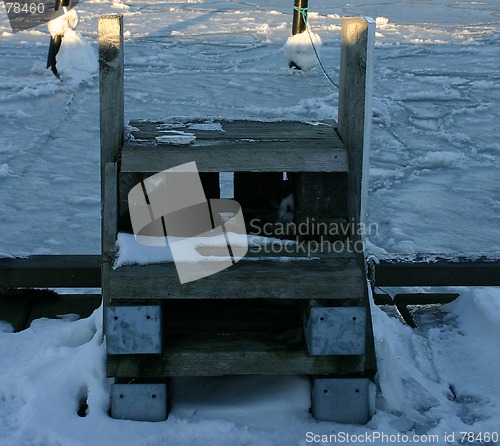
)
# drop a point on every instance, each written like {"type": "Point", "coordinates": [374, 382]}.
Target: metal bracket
{"type": "Point", "coordinates": [134, 329]}
{"type": "Point", "coordinates": [335, 330]}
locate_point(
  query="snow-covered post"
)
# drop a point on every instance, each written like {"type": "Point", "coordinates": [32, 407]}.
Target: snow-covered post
{"type": "Point", "coordinates": [299, 13]}
{"type": "Point", "coordinates": [355, 108]}
{"type": "Point", "coordinates": [301, 48]}
{"type": "Point", "coordinates": [111, 91]}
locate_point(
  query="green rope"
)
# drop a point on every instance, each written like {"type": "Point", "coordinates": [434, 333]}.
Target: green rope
{"type": "Point", "coordinates": [303, 12]}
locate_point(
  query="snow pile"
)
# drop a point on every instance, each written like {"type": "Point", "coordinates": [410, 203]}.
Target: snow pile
{"type": "Point", "coordinates": [144, 250]}
{"type": "Point", "coordinates": [299, 50]}
{"type": "Point", "coordinates": [76, 57]}
{"type": "Point", "coordinates": [59, 25]}
{"type": "Point", "coordinates": [150, 250]}
{"type": "Point", "coordinates": [46, 374]}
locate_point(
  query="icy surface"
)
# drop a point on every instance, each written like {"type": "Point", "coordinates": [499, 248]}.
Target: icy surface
{"type": "Point", "coordinates": [433, 176]}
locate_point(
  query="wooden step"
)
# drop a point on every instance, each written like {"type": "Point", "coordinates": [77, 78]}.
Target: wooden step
{"type": "Point", "coordinates": [227, 353]}
{"type": "Point", "coordinates": [279, 275]}
{"type": "Point", "coordinates": [243, 146]}
{"type": "Point", "coordinates": [214, 338]}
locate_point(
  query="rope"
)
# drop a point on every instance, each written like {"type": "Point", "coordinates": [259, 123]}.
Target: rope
{"type": "Point", "coordinates": [303, 13]}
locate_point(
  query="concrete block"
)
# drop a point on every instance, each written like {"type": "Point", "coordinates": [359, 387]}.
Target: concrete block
{"type": "Point", "coordinates": [343, 400]}
{"type": "Point", "coordinates": [139, 402]}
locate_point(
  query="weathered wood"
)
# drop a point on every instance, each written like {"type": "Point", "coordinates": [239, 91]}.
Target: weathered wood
{"type": "Point", "coordinates": [355, 109]}
{"type": "Point", "coordinates": [83, 271]}
{"type": "Point", "coordinates": [320, 198]}
{"type": "Point", "coordinates": [335, 278]}
{"type": "Point", "coordinates": [235, 130]}
{"type": "Point", "coordinates": [238, 156]}
{"type": "Point", "coordinates": [109, 212]}
{"type": "Point", "coordinates": [109, 224]}
{"type": "Point", "coordinates": [440, 272]}
{"type": "Point", "coordinates": [111, 87]}
{"type": "Point", "coordinates": [232, 353]}
{"type": "Point", "coordinates": [44, 271]}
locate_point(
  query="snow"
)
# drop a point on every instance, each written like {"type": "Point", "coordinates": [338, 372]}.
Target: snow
{"type": "Point", "coordinates": [147, 250]}
{"type": "Point", "coordinates": [172, 137]}
{"type": "Point", "coordinates": [59, 25]}
{"type": "Point", "coordinates": [434, 188]}
{"type": "Point", "coordinates": [435, 380]}
{"type": "Point", "coordinates": [299, 49]}
{"type": "Point", "coordinates": [77, 55]}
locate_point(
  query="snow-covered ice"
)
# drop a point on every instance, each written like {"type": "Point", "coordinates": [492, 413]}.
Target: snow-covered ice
{"type": "Point", "coordinates": [172, 137]}
{"type": "Point", "coordinates": [434, 187]}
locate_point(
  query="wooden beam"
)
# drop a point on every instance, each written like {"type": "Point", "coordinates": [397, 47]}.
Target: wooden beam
{"type": "Point", "coordinates": [236, 130]}
{"type": "Point", "coordinates": [315, 155]}
{"type": "Point", "coordinates": [442, 272]}
{"type": "Point", "coordinates": [83, 271]}
{"type": "Point", "coordinates": [326, 278]}
{"type": "Point", "coordinates": [44, 271]}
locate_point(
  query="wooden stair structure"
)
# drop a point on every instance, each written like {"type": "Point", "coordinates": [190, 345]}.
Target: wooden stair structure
{"type": "Point", "coordinates": [300, 308]}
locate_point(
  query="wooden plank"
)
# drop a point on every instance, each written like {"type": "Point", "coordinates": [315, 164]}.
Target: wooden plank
{"type": "Point", "coordinates": [355, 109]}
{"type": "Point", "coordinates": [234, 130]}
{"type": "Point", "coordinates": [329, 278]}
{"type": "Point", "coordinates": [232, 354]}
{"type": "Point", "coordinates": [321, 198]}
{"type": "Point", "coordinates": [441, 272]}
{"type": "Point", "coordinates": [109, 229]}
{"type": "Point", "coordinates": [111, 87]}
{"type": "Point", "coordinates": [238, 156]}
{"type": "Point", "coordinates": [109, 212]}
{"type": "Point", "coordinates": [83, 271]}
{"type": "Point", "coordinates": [51, 271]}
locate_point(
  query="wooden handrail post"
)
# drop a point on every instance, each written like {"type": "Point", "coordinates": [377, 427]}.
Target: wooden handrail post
{"type": "Point", "coordinates": [111, 88]}
{"type": "Point", "coordinates": [355, 108]}
{"type": "Point", "coordinates": [112, 116]}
